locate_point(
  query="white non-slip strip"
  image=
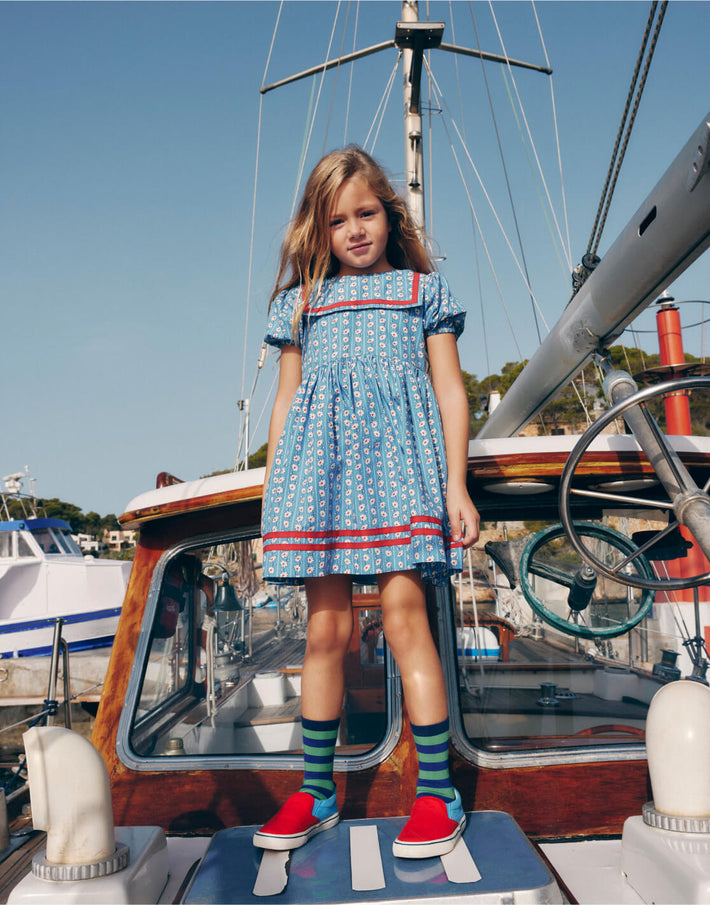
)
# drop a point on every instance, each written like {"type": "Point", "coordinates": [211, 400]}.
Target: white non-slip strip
{"type": "Point", "coordinates": [272, 877]}
{"type": "Point", "coordinates": [365, 860]}
{"type": "Point", "coordinates": [459, 865]}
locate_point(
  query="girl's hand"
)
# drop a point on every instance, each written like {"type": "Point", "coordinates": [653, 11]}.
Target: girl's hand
{"type": "Point", "coordinates": [463, 517]}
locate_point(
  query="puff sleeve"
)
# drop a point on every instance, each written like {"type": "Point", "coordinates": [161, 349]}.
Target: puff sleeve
{"type": "Point", "coordinates": [443, 313]}
{"type": "Point", "coordinates": [279, 329]}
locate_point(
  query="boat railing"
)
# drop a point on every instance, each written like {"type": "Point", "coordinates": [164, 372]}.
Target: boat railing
{"type": "Point", "coordinates": [59, 644]}
{"type": "Point", "coordinates": [47, 714]}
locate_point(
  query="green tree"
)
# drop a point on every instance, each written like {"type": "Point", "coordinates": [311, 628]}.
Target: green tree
{"type": "Point", "coordinates": [56, 508]}
{"type": "Point", "coordinates": [258, 459]}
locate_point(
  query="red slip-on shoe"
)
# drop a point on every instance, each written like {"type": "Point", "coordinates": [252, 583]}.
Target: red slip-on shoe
{"type": "Point", "coordinates": [301, 817]}
{"type": "Point", "coordinates": [432, 830]}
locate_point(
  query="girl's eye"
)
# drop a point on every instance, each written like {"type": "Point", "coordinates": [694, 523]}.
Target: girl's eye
{"type": "Point", "coordinates": [336, 222]}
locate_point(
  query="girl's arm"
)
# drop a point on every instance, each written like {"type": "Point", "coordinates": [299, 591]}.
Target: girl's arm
{"type": "Point", "coordinates": [289, 381]}
{"type": "Point", "coordinates": [451, 396]}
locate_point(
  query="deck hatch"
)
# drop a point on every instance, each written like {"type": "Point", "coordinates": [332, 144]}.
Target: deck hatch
{"type": "Point", "coordinates": [508, 865]}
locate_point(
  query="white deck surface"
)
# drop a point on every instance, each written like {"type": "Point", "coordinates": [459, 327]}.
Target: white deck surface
{"type": "Point", "coordinates": [592, 871]}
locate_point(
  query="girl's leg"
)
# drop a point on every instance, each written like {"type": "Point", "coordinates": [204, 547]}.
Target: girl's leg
{"type": "Point", "coordinates": [406, 628]}
{"type": "Point", "coordinates": [437, 818]}
{"type": "Point", "coordinates": [314, 807]}
{"type": "Point", "coordinates": [330, 626]}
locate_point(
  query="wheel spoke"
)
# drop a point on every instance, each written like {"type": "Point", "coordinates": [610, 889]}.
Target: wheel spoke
{"type": "Point", "coordinates": [646, 546]}
{"type": "Point", "coordinates": [682, 480]}
{"type": "Point", "coordinates": [551, 573]}
{"type": "Point", "coordinates": [619, 498]}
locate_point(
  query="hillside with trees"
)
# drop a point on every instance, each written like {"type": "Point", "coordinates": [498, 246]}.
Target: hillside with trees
{"type": "Point", "coordinates": [567, 410]}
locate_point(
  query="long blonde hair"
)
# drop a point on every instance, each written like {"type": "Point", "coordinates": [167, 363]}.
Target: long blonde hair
{"type": "Point", "coordinates": [306, 259]}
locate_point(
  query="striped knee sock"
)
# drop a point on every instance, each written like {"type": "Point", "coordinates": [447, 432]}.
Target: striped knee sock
{"type": "Point", "coordinates": [433, 751]}
{"type": "Point", "coordinates": [318, 752]}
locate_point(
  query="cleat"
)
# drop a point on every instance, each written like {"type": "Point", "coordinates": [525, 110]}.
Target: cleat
{"type": "Point", "coordinates": [301, 817]}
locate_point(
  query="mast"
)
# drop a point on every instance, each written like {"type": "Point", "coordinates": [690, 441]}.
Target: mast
{"type": "Point", "coordinates": [413, 38]}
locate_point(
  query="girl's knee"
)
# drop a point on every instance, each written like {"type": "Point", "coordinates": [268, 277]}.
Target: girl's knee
{"type": "Point", "coordinates": [329, 633]}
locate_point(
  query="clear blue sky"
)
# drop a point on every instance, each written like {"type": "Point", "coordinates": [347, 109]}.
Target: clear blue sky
{"type": "Point", "coordinates": [127, 163]}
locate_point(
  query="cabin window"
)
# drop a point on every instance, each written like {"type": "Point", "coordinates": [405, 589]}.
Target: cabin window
{"type": "Point", "coordinates": [23, 548]}
{"type": "Point", "coordinates": [47, 541]}
{"type": "Point", "coordinates": [525, 682]}
{"type": "Point", "coordinates": [217, 679]}
{"type": "Point", "coordinates": [6, 544]}
{"type": "Point", "coordinates": [67, 543]}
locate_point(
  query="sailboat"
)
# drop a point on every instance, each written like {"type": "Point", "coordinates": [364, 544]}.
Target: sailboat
{"type": "Point", "coordinates": [573, 649]}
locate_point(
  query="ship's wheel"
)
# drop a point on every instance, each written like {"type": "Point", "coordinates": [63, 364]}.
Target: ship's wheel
{"type": "Point", "coordinates": [570, 595]}
{"type": "Point", "coordinates": [678, 494]}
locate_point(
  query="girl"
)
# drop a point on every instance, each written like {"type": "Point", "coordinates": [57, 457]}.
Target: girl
{"type": "Point", "coordinates": [360, 445]}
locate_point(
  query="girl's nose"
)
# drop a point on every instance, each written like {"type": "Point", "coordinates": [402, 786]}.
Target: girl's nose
{"type": "Point", "coordinates": [355, 227]}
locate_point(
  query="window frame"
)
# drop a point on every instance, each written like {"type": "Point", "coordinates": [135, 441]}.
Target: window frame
{"type": "Point", "coordinates": [504, 760]}
{"type": "Point", "coordinates": [160, 763]}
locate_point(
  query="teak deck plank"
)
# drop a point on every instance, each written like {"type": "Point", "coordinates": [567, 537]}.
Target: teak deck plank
{"type": "Point", "coordinates": [18, 864]}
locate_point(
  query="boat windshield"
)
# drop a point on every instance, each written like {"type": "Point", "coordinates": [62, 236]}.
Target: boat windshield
{"type": "Point", "coordinates": [221, 668]}
{"type": "Point", "coordinates": [542, 660]}
{"type": "Point", "coordinates": [549, 656]}
{"type": "Point", "coordinates": [56, 540]}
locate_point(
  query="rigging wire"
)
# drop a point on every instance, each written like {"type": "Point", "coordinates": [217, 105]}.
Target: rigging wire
{"type": "Point", "coordinates": [568, 245]}
{"type": "Point", "coordinates": [243, 439]}
{"type": "Point", "coordinates": [505, 174]}
{"type": "Point", "coordinates": [444, 106]}
{"type": "Point", "coordinates": [312, 115]}
{"type": "Point", "coordinates": [479, 281]}
{"type": "Point", "coordinates": [478, 225]}
{"type": "Point", "coordinates": [335, 81]}
{"type": "Point", "coordinates": [528, 131]}
{"type": "Point", "coordinates": [379, 116]}
{"type": "Point", "coordinates": [352, 71]}
{"type": "Point", "coordinates": [456, 68]}
{"type": "Point", "coordinates": [701, 323]}
{"type": "Point", "coordinates": [250, 266]}
{"type": "Point", "coordinates": [558, 246]}
{"type": "Point", "coordinates": [622, 140]}
{"type": "Point", "coordinates": [265, 409]}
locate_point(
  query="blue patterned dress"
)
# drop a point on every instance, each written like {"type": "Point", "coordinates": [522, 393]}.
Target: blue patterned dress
{"type": "Point", "coordinates": [359, 475]}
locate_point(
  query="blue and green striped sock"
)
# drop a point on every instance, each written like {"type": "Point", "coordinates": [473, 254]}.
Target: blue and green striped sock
{"type": "Point", "coordinates": [433, 751]}
{"type": "Point", "coordinates": [319, 738]}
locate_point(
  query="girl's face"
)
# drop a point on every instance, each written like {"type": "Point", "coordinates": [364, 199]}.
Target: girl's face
{"type": "Point", "coordinates": [359, 229]}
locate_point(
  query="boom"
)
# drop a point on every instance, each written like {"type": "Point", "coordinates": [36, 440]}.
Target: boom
{"type": "Point", "coordinates": [667, 233]}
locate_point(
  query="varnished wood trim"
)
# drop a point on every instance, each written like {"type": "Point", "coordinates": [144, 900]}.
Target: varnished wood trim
{"type": "Point", "coordinates": [196, 504]}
